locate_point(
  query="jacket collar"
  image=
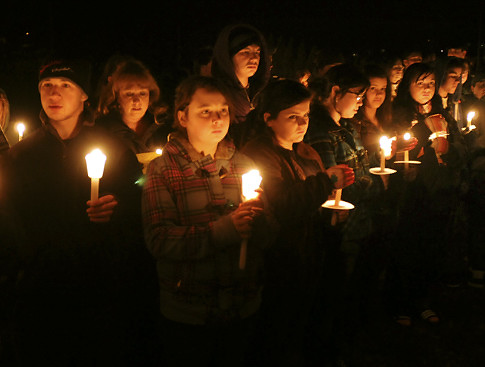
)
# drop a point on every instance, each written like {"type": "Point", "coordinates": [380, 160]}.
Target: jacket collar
{"type": "Point", "coordinates": [47, 126]}
{"type": "Point", "coordinates": [179, 144]}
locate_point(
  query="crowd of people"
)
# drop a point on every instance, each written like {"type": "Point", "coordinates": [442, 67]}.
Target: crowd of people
{"type": "Point", "coordinates": [171, 266]}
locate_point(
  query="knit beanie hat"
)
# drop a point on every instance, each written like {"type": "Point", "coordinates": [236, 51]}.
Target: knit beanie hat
{"type": "Point", "coordinates": [242, 38]}
{"type": "Point", "coordinates": [76, 71]}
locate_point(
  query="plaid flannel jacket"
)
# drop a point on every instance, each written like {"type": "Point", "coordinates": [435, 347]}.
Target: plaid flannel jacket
{"type": "Point", "coordinates": [186, 203]}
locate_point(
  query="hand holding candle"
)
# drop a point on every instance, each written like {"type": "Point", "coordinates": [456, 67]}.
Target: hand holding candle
{"type": "Point", "coordinates": [101, 210]}
{"type": "Point", "coordinates": [469, 118]}
{"type": "Point", "coordinates": [342, 176]}
{"type": "Point", "coordinates": [250, 183]}
{"type": "Point", "coordinates": [407, 143]}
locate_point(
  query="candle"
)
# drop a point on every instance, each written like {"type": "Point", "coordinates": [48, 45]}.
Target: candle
{"type": "Point", "coordinates": [406, 137]}
{"type": "Point", "coordinates": [250, 182]}
{"type": "Point", "coordinates": [20, 129]}
{"type": "Point", "coordinates": [386, 149]}
{"type": "Point", "coordinates": [338, 196]}
{"type": "Point", "coordinates": [438, 134]}
{"type": "Point", "coordinates": [95, 163]}
{"type": "Point", "coordinates": [469, 117]}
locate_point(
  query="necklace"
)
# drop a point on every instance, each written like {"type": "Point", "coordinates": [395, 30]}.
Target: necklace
{"type": "Point", "coordinates": [251, 106]}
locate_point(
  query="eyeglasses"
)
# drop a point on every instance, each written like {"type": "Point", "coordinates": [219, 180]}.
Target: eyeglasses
{"type": "Point", "coordinates": [358, 96]}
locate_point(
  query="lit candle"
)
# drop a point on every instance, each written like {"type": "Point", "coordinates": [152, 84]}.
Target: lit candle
{"type": "Point", "coordinates": [250, 182]}
{"type": "Point", "coordinates": [406, 137]}
{"type": "Point", "coordinates": [386, 149]}
{"type": "Point", "coordinates": [95, 162]}
{"type": "Point", "coordinates": [338, 196]}
{"type": "Point", "coordinates": [438, 134]}
{"type": "Point", "coordinates": [469, 117]}
{"type": "Point", "coordinates": [20, 129]}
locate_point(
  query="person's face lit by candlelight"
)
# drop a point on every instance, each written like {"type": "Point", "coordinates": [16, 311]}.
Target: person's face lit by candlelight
{"type": "Point", "coordinates": [396, 72]}
{"type": "Point", "coordinates": [133, 100]}
{"type": "Point", "coordinates": [376, 93]}
{"type": "Point", "coordinates": [291, 124]}
{"type": "Point", "coordinates": [61, 99]}
{"type": "Point", "coordinates": [206, 120]}
{"type": "Point", "coordinates": [348, 104]}
{"type": "Point", "coordinates": [450, 82]}
{"type": "Point", "coordinates": [246, 61]}
{"type": "Point", "coordinates": [478, 89]}
{"type": "Point", "coordinates": [423, 88]}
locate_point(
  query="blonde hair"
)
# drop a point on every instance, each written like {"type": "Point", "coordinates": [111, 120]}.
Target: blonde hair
{"type": "Point", "coordinates": [130, 71]}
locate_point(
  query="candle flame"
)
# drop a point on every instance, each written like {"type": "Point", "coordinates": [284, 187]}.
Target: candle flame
{"type": "Point", "coordinates": [250, 182]}
{"type": "Point", "coordinates": [95, 162]}
{"type": "Point", "coordinates": [386, 145]}
{"type": "Point", "coordinates": [470, 116]}
{"type": "Point", "coordinates": [20, 128]}
{"type": "Point", "coordinates": [407, 136]}
{"type": "Point", "coordinates": [159, 151]}
{"type": "Point", "coordinates": [438, 134]}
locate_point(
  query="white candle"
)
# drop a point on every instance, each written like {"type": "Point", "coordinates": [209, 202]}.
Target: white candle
{"type": "Point", "coordinates": [20, 129]}
{"type": "Point", "coordinates": [95, 163]}
{"type": "Point", "coordinates": [338, 196]}
{"type": "Point", "coordinates": [250, 182]}
{"type": "Point", "coordinates": [94, 188]}
{"type": "Point", "coordinates": [406, 137]}
{"type": "Point", "coordinates": [386, 146]}
{"type": "Point", "coordinates": [469, 117]}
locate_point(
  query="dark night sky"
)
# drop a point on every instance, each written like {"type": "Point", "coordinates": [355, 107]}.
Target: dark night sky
{"type": "Point", "coordinates": [144, 28]}
{"type": "Point", "coordinates": [166, 34]}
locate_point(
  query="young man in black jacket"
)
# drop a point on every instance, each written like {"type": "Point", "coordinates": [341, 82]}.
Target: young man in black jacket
{"type": "Point", "coordinates": [83, 262]}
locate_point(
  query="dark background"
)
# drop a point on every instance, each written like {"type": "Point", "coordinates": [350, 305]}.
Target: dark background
{"type": "Point", "coordinates": [166, 35]}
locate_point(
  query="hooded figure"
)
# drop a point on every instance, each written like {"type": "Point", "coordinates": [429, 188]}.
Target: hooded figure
{"type": "Point", "coordinates": [248, 43]}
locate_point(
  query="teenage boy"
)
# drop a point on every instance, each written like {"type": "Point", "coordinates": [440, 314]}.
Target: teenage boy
{"type": "Point", "coordinates": [79, 257]}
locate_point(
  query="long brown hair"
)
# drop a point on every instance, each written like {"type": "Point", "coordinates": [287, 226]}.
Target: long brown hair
{"type": "Point", "coordinates": [384, 112]}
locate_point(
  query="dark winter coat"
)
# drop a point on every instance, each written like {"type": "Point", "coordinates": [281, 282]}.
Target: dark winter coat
{"type": "Point", "coordinates": [80, 280]}
{"type": "Point", "coordinates": [153, 138]}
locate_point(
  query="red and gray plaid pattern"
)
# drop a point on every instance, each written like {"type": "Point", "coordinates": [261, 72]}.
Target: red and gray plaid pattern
{"type": "Point", "coordinates": [186, 200]}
